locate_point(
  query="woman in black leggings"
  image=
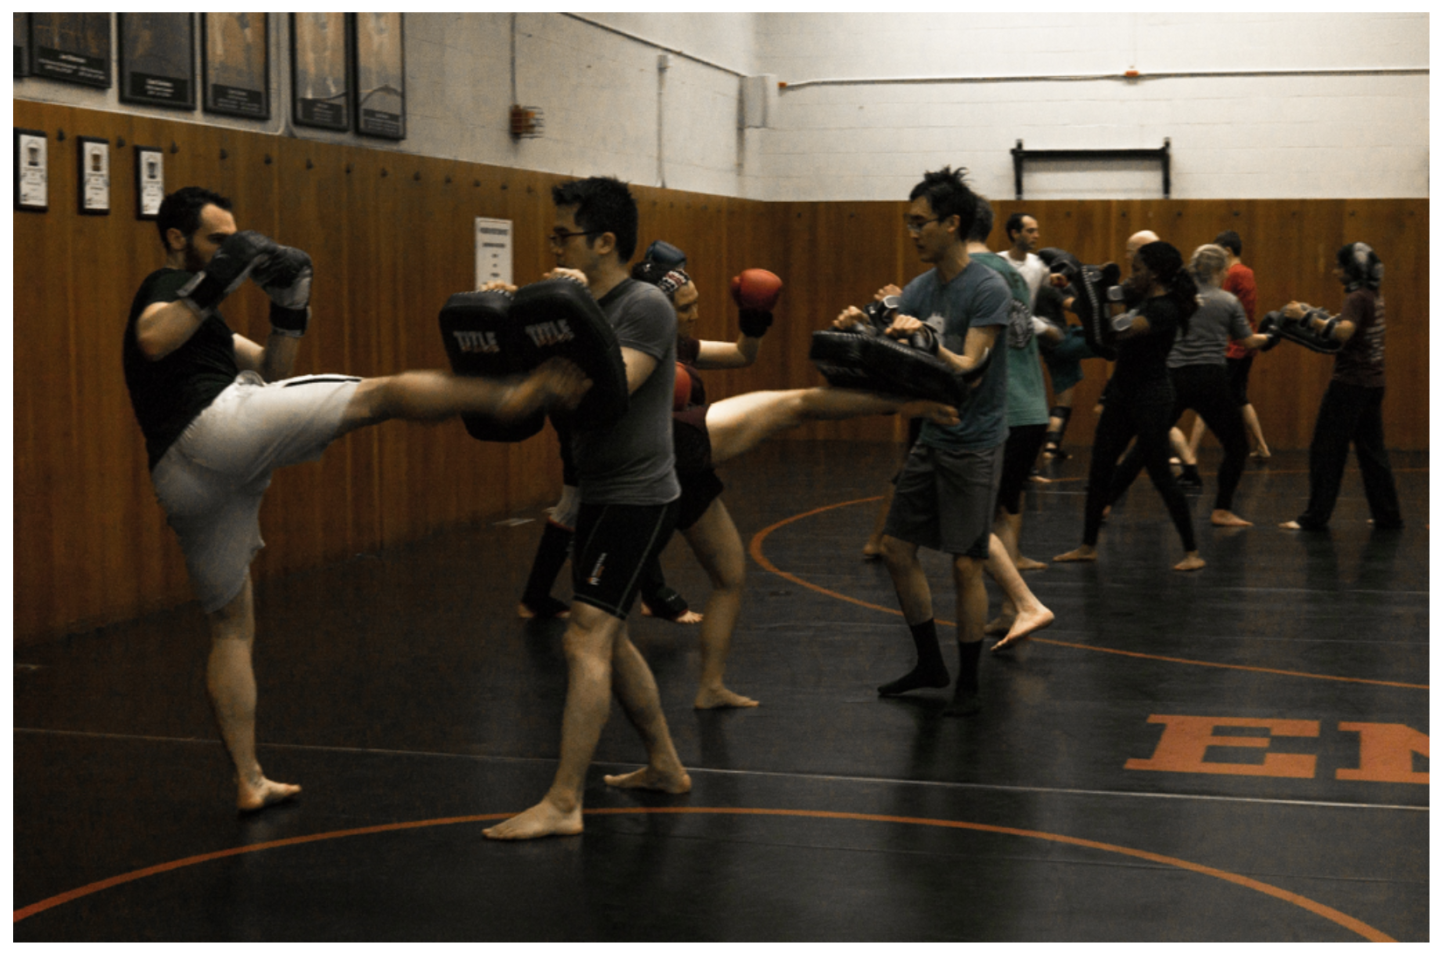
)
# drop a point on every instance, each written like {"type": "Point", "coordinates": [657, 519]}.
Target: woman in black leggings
{"type": "Point", "coordinates": [1139, 396]}
{"type": "Point", "coordinates": [1197, 372]}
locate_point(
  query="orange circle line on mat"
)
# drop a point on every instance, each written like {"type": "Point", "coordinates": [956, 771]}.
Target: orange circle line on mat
{"type": "Point", "coordinates": [758, 553]}
{"type": "Point", "coordinates": [1305, 903]}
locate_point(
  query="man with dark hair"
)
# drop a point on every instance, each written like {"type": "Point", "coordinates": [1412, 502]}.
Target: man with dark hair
{"type": "Point", "coordinates": [1023, 233]}
{"type": "Point", "coordinates": [1350, 410]}
{"type": "Point", "coordinates": [945, 494]}
{"type": "Point", "coordinates": [629, 501]}
{"type": "Point", "coordinates": [219, 417]}
{"type": "Point", "coordinates": [1026, 416]}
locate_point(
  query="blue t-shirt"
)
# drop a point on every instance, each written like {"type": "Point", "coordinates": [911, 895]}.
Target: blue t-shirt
{"type": "Point", "coordinates": [977, 297]}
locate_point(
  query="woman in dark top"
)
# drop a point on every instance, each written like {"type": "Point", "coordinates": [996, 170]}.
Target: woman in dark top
{"type": "Point", "coordinates": [708, 432]}
{"type": "Point", "coordinates": [1139, 396]}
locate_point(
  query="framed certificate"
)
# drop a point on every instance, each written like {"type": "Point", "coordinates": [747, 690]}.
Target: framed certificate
{"type": "Point", "coordinates": [380, 74]}
{"type": "Point", "coordinates": [235, 50]}
{"type": "Point", "coordinates": [319, 65]}
{"type": "Point", "coordinates": [157, 59]}
{"type": "Point", "coordinates": [93, 188]}
{"type": "Point", "coordinates": [32, 178]}
{"type": "Point", "coordinates": [149, 182]}
{"type": "Point", "coordinates": [74, 47]}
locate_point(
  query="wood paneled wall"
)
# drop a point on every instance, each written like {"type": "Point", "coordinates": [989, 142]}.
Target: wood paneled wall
{"type": "Point", "coordinates": [392, 237]}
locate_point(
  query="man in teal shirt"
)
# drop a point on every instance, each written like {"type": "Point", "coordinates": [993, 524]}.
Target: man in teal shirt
{"type": "Point", "coordinates": [1026, 413]}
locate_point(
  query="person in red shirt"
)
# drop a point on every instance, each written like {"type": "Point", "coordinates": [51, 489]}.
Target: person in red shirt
{"type": "Point", "coordinates": [1239, 280]}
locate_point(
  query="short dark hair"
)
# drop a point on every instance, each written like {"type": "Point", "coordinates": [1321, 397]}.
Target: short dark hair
{"type": "Point", "coordinates": [984, 221]}
{"type": "Point", "coordinates": [1230, 240]}
{"type": "Point", "coordinates": [181, 210]}
{"type": "Point", "coordinates": [1014, 224]}
{"type": "Point", "coordinates": [948, 195]}
{"type": "Point", "coordinates": [602, 205]}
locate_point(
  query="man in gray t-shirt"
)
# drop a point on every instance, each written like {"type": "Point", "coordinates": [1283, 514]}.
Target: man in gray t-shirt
{"type": "Point", "coordinates": [629, 499]}
{"type": "Point", "coordinates": [631, 460]}
{"type": "Point", "coordinates": [945, 494]}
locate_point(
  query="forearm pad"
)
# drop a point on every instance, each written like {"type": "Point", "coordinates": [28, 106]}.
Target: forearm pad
{"type": "Point", "coordinates": [1092, 307]}
{"type": "Point", "coordinates": [1303, 332]}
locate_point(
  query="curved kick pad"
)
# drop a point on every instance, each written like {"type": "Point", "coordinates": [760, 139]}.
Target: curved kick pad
{"type": "Point", "coordinates": [481, 340]}
{"type": "Point", "coordinates": [559, 318]}
{"type": "Point", "coordinates": [879, 364]}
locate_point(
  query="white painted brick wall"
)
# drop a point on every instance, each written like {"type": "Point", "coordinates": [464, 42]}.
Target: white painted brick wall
{"type": "Point", "coordinates": [1240, 137]}
{"type": "Point", "coordinates": [1252, 136]}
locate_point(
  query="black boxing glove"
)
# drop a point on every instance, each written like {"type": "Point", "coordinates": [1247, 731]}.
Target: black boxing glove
{"type": "Point", "coordinates": [241, 253]}
{"type": "Point", "coordinates": [1267, 327]}
{"type": "Point", "coordinates": [285, 277]}
{"type": "Point", "coordinates": [754, 322]}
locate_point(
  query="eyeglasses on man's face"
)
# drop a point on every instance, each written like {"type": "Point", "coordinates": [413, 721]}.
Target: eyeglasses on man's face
{"type": "Point", "coordinates": [557, 238]}
{"type": "Point", "coordinates": [915, 224]}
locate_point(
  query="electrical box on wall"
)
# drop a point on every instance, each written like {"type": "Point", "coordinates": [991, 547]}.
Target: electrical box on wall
{"type": "Point", "coordinates": [755, 95]}
{"type": "Point", "coordinates": [526, 123]}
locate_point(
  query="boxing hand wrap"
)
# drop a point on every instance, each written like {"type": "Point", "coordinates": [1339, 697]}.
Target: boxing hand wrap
{"type": "Point", "coordinates": [285, 277]}
{"type": "Point", "coordinates": [239, 254]}
{"type": "Point", "coordinates": [481, 340]}
{"type": "Point", "coordinates": [1092, 307]}
{"type": "Point", "coordinates": [755, 323]}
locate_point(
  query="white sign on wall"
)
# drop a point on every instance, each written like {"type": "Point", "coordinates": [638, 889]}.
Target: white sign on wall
{"type": "Point", "coordinates": [494, 258]}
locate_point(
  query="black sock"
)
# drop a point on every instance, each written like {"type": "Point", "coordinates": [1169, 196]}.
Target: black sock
{"type": "Point", "coordinates": [969, 680]}
{"type": "Point", "coordinates": [930, 671]}
{"type": "Point", "coordinates": [550, 556]}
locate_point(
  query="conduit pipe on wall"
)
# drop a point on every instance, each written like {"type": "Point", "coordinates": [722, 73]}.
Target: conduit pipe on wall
{"type": "Point", "coordinates": [651, 43]}
{"type": "Point", "coordinates": [1129, 75]}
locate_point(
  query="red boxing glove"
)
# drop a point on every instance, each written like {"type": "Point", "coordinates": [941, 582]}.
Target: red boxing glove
{"type": "Point", "coordinates": [756, 290]}
{"type": "Point", "coordinates": [682, 388]}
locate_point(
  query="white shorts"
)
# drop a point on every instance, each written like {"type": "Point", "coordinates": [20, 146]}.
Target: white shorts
{"type": "Point", "coordinates": [211, 480]}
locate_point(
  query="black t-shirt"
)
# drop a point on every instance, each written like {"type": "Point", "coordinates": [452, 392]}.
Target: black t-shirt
{"type": "Point", "coordinates": [169, 393]}
{"type": "Point", "coordinates": [1141, 359]}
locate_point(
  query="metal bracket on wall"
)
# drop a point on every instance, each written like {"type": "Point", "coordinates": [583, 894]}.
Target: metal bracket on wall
{"type": "Point", "coordinates": [1020, 155]}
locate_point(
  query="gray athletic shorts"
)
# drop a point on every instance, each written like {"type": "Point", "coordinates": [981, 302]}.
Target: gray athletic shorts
{"type": "Point", "coordinates": [946, 501]}
{"type": "Point", "coordinates": [212, 478]}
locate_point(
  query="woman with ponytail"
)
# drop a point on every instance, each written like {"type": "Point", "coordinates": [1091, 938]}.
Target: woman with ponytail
{"type": "Point", "coordinates": [1140, 396]}
{"type": "Point", "coordinates": [1198, 375]}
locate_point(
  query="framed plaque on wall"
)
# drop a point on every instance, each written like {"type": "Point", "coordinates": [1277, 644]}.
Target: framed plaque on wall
{"type": "Point", "coordinates": [157, 59]}
{"type": "Point", "coordinates": [149, 182]}
{"type": "Point", "coordinates": [32, 170]}
{"type": "Point", "coordinates": [94, 184]}
{"type": "Point", "coordinates": [74, 47]}
{"type": "Point", "coordinates": [319, 65]}
{"type": "Point", "coordinates": [380, 75]}
{"type": "Point", "coordinates": [235, 53]}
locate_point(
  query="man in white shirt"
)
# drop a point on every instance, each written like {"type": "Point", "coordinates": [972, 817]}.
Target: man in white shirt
{"type": "Point", "coordinates": [1023, 232]}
